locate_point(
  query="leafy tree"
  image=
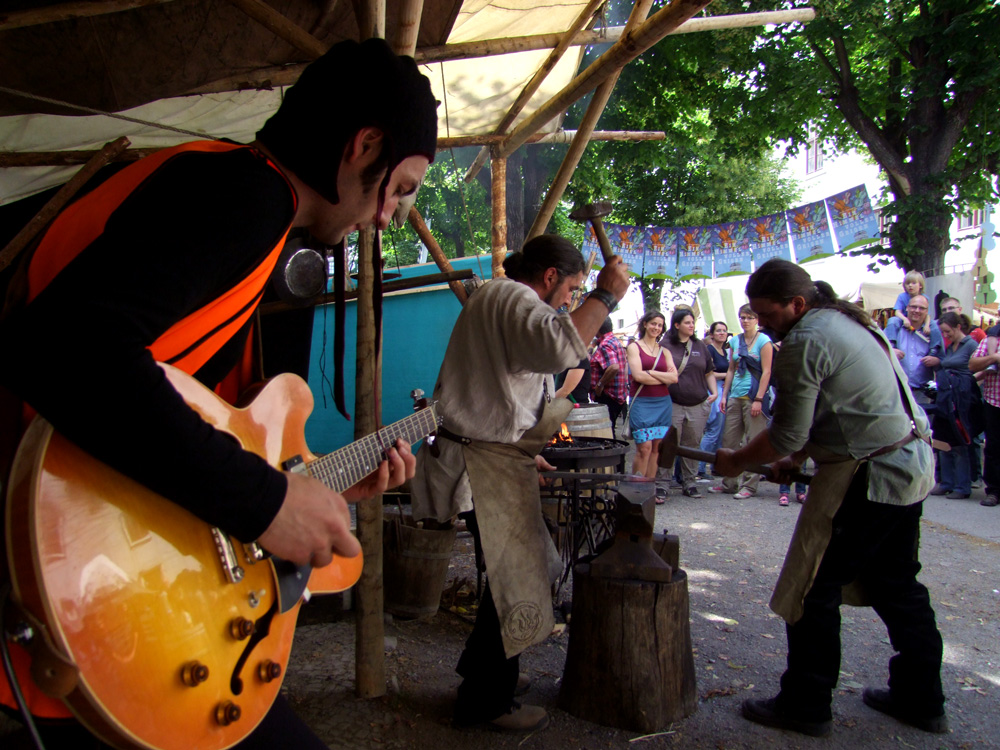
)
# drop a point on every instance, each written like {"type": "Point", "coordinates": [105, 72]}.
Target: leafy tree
{"type": "Point", "coordinates": [916, 83]}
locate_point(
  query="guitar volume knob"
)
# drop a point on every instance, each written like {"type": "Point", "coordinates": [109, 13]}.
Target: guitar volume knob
{"type": "Point", "coordinates": [241, 628]}
{"type": "Point", "coordinates": [269, 670]}
{"type": "Point", "coordinates": [227, 712]}
{"type": "Point", "coordinates": [194, 673]}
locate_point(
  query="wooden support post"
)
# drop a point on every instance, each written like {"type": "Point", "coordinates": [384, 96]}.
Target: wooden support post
{"type": "Point", "coordinates": [369, 637]}
{"type": "Point", "coordinates": [369, 643]}
{"type": "Point", "coordinates": [629, 47]}
{"type": "Point", "coordinates": [23, 238]}
{"type": "Point", "coordinates": [498, 173]}
{"type": "Point", "coordinates": [424, 233]}
{"type": "Point", "coordinates": [281, 27]}
{"type": "Point", "coordinates": [370, 15]}
{"type": "Point", "coordinates": [408, 26]}
{"type": "Point", "coordinates": [594, 111]}
{"type": "Point", "coordinates": [536, 80]}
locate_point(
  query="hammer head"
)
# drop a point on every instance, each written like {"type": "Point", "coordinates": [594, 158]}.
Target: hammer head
{"type": "Point", "coordinates": [668, 449]}
{"type": "Point", "coordinates": [591, 211]}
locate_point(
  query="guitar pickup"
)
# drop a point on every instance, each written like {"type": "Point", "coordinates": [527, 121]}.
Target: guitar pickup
{"type": "Point", "coordinates": [227, 556]}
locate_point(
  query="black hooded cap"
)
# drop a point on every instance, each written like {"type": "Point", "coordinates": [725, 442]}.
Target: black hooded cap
{"type": "Point", "coordinates": [354, 85]}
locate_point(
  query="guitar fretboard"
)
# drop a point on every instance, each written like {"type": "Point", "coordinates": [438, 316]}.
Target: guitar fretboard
{"type": "Point", "coordinates": [352, 463]}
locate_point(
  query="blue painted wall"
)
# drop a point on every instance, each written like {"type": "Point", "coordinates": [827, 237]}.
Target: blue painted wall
{"type": "Point", "coordinates": [416, 326]}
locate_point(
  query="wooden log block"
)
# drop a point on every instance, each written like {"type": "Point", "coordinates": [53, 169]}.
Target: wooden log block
{"type": "Point", "coordinates": [629, 664]}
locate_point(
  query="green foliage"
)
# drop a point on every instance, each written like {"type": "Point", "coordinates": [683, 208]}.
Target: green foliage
{"type": "Point", "coordinates": [442, 201]}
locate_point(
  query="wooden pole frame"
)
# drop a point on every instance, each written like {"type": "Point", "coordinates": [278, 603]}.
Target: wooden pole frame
{"type": "Point", "coordinates": [594, 111]}
{"type": "Point", "coordinates": [536, 80]}
{"type": "Point", "coordinates": [498, 175]}
{"type": "Point", "coordinates": [281, 27]}
{"type": "Point", "coordinates": [424, 233]}
{"type": "Point", "coordinates": [629, 47]}
{"type": "Point", "coordinates": [369, 640]}
{"type": "Point", "coordinates": [408, 27]}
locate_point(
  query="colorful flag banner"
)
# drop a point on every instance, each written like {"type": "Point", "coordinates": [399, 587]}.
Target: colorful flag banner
{"type": "Point", "coordinates": [694, 253]}
{"type": "Point", "coordinates": [628, 242]}
{"type": "Point", "coordinates": [731, 247]}
{"type": "Point", "coordinates": [769, 238]}
{"type": "Point", "coordinates": [661, 253]}
{"type": "Point", "coordinates": [591, 245]}
{"type": "Point", "coordinates": [810, 232]}
{"type": "Point", "coordinates": [854, 221]}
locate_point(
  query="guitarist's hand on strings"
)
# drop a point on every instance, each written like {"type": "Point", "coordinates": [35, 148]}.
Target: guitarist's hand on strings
{"type": "Point", "coordinates": [314, 522]}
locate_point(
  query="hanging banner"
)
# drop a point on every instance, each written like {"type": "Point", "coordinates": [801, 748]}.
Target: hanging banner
{"type": "Point", "coordinates": [661, 253]}
{"type": "Point", "coordinates": [694, 253]}
{"type": "Point", "coordinates": [628, 242]}
{"type": "Point", "coordinates": [854, 221]}
{"type": "Point", "coordinates": [730, 244]}
{"type": "Point", "coordinates": [810, 231]}
{"type": "Point", "coordinates": [769, 238]}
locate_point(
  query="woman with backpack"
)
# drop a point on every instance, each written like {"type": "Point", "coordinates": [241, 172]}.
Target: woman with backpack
{"type": "Point", "coordinates": [745, 399]}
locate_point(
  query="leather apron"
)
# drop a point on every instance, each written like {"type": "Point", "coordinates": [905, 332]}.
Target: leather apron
{"type": "Point", "coordinates": [814, 527]}
{"type": "Point", "coordinates": [521, 560]}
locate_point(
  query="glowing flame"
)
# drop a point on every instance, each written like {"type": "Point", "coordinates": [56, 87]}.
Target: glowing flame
{"type": "Point", "coordinates": [562, 436]}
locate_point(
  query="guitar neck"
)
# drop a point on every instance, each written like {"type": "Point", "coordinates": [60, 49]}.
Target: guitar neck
{"type": "Point", "coordinates": [349, 465]}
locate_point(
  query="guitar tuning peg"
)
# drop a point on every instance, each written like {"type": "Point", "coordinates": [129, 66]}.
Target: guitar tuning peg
{"type": "Point", "coordinates": [416, 394]}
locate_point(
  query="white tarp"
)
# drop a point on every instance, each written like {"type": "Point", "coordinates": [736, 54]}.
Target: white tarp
{"type": "Point", "coordinates": [476, 95]}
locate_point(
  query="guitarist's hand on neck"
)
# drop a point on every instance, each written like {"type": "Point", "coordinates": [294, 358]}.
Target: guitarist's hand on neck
{"type": "Point", "coordinates": [314, 522]}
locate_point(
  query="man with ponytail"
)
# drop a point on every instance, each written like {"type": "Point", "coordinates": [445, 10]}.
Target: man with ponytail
{"type": "Point", "coordinates": [844, 400]}
{"type": "Point", "coordinates": [495, 393]}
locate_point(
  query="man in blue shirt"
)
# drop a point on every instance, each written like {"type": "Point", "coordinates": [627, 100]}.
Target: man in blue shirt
{"type": "Point", "coordinates": [917, 353]}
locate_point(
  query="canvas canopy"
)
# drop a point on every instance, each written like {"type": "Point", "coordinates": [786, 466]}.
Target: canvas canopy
{"type": "Point", "coordinates": [145, 61]}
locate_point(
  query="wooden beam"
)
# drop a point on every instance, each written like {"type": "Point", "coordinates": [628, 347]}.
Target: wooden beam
{"type": "Point", "coordinates": [611, 34]}
{"type": "Point", "coordinates": [629, 47]}
{"type": "Point", "coordinates": [286, 75]}
{"type": "Point", "coordinates": [407, 27]}
{"type": "Point", "coordinates": [498, 175]}
{"type": "Point", "coordinates": [594, 111]}
{"type": "Point", "coordinates": [370, 15]}
{"type": "Point", "coordinates": [424, 233]}
{"type": "Point", "coordinates": [56, 203]}
{"type": "Point", "coordinates": [19, 19]}
{"type": "Point", "coordinates": [369, 631]}
{"type": "Point", "coordinates": [536, 80]}
{"type": "Point", "coordinates": [281, 27]}
{"type": "Point", "coordinates": [10, 159]}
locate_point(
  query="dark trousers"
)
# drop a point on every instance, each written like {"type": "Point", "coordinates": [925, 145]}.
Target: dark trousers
{"type": "Point", "coordinates": [991, 458]}
{"type": "Point", "coordinates": [615, 410]}
{"type": "Point", "coordinates": [280, 728]}
{"type": "Point", "coordinates": [490, 678]}
{"type": "Point", "coordinates": [877, 544]}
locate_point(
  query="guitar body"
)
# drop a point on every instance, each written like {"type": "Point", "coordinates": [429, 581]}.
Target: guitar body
{"type": "Point", "coordinates": [132, 589]}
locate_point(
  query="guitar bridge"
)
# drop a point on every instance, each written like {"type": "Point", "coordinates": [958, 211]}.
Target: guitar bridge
{"type": "Point", "coordinates": [227, 556]}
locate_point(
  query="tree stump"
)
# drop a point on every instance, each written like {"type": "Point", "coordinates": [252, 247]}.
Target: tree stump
{"type": "Point", "coordinates": [629, 664]}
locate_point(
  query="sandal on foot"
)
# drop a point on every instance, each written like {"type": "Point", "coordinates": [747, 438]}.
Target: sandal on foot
{"type": "Point", "coordinates": [783, 501]}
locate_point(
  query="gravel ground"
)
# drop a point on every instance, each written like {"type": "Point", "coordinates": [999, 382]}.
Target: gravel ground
{"type": "Point", "coordinates": [732, 551]}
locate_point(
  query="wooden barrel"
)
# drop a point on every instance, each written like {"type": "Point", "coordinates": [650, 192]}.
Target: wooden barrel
{"type": "Point", "coordinates": [621, 629]}
{"type": "Point", "coordinates": [414, 567]}
{"type": "Point", "coordinates": [590, 420]}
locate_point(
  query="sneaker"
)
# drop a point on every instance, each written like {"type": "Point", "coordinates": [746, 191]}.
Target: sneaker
{"type": "Point", "coordinates": [523, 684]}
{"type": "Point", "coordinates": [939, 490]}
{"type": "Point", "coordinates": [718, 490]}
{"type": "Point", "coordinates": [522, 718]}
{"type": "Point", "coordinates": [692, 491]}
{"type": "Point", "coordinates": [956, 495]}
{"type": "Point", "coordinates": [743, 494]}
{"type": "Point", "coordinates": [783, 501]}
{"type": "Point", "coordinates": [705, 479]}
{"type": "Point", "coordinates": [766, 712]}
{"type": "Point", "coordinates": [990, 501]}
{"type": "Point", "coordinates": [881, 700]}
{"type": "Point", "coordinates": [800, 497]}
{"type": "Point", "coordinates": [978, 484]}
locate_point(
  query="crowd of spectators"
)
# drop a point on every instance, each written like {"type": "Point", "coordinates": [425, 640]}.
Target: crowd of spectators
{"type": "Point", "coordinates": [721, 397]}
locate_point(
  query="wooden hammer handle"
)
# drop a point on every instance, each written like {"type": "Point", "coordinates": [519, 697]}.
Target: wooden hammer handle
{"type": "Point", "coordinates": [709, 458]}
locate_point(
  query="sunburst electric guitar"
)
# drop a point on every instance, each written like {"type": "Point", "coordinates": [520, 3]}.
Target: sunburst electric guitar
{"type": "Point", "coordinates": [157, 630]}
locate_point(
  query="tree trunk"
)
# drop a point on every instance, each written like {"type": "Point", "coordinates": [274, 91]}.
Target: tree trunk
{"type": "Point", "coordinates": [923, 222]}
{"type": "Point", "coordinates": [652, 294]}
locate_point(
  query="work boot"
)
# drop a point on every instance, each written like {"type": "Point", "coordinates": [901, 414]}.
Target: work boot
{"type": "Point", "coordinates": [881, 700]}
{"type": "Point", "coordinates": [522, 718]}
{"type": "Point", "coordinates": [766, 712]}
{"type": "Point", "coordinates": [523, 684]}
